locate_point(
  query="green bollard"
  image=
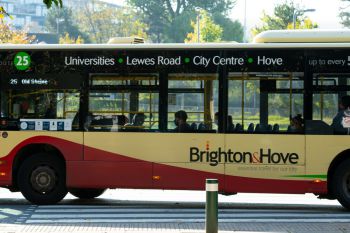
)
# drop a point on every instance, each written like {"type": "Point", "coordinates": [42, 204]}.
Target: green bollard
{"type": "Point", "coordinates": [211, 206]}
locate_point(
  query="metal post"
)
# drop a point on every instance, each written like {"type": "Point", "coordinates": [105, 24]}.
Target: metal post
{"type": "Point", "coordinates": [294, 18]}
{"type": "Point", "coordinates": [198, 27]}
{"type": "Point", "coordinates": [300, 12]}
{"type": "Point", "coordinates": [211, 207]}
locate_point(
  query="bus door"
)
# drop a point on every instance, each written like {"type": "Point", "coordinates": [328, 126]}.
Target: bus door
{"type": "Point", "coordinates": [190, 154]}
{"type": "Point", "coordinates": [324, 138]}
{"type": "Point", "coordinates": [266, 153]}
{"type": "Point", "coordinates": [119, 138]}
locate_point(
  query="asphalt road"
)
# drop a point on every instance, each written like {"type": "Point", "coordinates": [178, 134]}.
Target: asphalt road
{"type": "Point", "coordinates": [173, 211]}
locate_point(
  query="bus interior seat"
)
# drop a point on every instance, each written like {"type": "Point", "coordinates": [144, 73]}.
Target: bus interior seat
{"type": "Point", "coordinates": [202, 126]}
{"type": "Point", "coordinates": [239, 128]}
{"type": "Point", "coordinates": [250, 128]}
{"type": "Point", "coordinates": [231, 127]}
{"type": "Point", "coordinates": [103, 123]}
{"type": "Point", "coordinates": [318, 127]}
{"type": "Point", "coordinates": [261, 128]}
{"type": "Point", "coordinates": [275, 128]}
{"type": "Point", "coordinates": [194, 126]}
{"type": "Point", "coordinates": [269, 128]}
{"type": "Point", "coordinates": [121, 120]}
{"type": "Point", "coordinates": [257, 128]}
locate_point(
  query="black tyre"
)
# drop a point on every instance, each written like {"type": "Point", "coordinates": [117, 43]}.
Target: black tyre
{"type": "Point", "coordinates": [87, 193]}
{"type": "Point", "coordinates": [42, 179]}
{"type": "Point", "coordinates": [341, 183]}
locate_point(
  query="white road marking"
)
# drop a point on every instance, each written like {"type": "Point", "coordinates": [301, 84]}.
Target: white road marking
{"type": "Point", "coordinates": [138, 214]}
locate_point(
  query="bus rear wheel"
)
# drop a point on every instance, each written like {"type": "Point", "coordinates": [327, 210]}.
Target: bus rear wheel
{"type": "Point", "coordinates": [42, 179]}
{"type": "Point", "coordinates": [341, 184]}
{"type": "Point", "coordinates": [87, 193]}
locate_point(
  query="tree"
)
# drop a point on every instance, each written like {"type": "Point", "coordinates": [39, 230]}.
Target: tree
{"type": "Point", "coordinates": [66, 39]}
{"type": "Point", "coordinates": [61, 21]}
{"type": "Point", "coordinates": [283, 19]}
{"type": "Point", "coordinates": [305, 24]}
{"type": "Point", "coordinates": [169, 20]}
{"type": "Point", "coordinates": [232, 30]}
{"type": "Point", "coordinates": [345, 14]}
{"type": "Point", "coordinates": [102, 22]}
{"type": "Point", "coordinates": [209, 31]}
{"type": "Point", "coordinates": [48, 3]}
{"type": "Point", "coordinates": [9, 35]}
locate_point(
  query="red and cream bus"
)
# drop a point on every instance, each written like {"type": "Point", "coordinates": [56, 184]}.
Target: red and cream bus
{"type": "Point", "coordinates": [70, 117]}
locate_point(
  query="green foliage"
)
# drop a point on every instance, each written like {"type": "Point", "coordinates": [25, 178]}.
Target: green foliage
{"type": "Point", "coordinates": [3, 13]}
{"type": "Point", "coordinates": [67, 39]}
{"type": "Point", "coordinates": [345, 14]}
{"type": "Point", "coordinates": [282, 18]}
{"type": "Point", "coordinates": [101, 22]}
{"type": "Point", "coordinates": [48, 3]}
{"type": "Point", "coordinates": [232, 30]}
{"type": "Point", "coordinates": [66, 23]}
{"type": "Point", "coordinates": [169, 20]}
{"type": "Point", "coordinates": [10, 35]}
{"type": "Point", "coordinates": [209, 31]}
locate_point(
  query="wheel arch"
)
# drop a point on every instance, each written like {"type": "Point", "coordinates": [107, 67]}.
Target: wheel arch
{"type": "Point", "coordinates": [29, 150]}
{"type": "Point", "coordinates": [342, 156]}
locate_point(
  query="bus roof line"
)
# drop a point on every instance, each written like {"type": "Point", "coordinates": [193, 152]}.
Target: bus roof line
{"type": "Point", "coordinates": [171, 46]}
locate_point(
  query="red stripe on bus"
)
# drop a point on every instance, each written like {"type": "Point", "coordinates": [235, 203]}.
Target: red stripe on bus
{"type": "Point", "coordinates": [102, 169]}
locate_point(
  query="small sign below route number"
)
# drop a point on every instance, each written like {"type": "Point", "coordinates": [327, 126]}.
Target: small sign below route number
{"type": "Point", "coordinates": [46, 124]}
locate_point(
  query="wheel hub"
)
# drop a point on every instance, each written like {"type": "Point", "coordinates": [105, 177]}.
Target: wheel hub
{"type": "Point", "coordinates": [43, 179]}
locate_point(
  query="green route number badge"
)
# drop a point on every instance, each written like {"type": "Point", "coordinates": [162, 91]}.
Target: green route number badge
{"type": "Point", "coordinates": [22, 61]}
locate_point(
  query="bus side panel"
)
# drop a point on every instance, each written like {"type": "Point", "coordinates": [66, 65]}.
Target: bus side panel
{"type": "Point", "coordinates": [70, 145]}
{"type": "Point", "coordinates": [256, 185]}
{"type": "Point", "coordinates": [160, 160]}
{"type": "Point", "coordinates": [265, 163]}
{"type": "Point", "coordinates": [172, 176]}
{"type": "Point", "coordinates": [104, 174]}
{"type": "Point", "coordinates": [321, 150]}
{"type": "Point", "coordinates": [184, 160]}
{"type": "Point", "coordinates": [106, 165]}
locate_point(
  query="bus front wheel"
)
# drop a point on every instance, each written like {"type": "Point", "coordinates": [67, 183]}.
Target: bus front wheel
{"type": "Point", "coordinates": [42, 180]}
{"type": "Point", "coordinates": [87, 193]}
{"type": "Point", "coordinates": [341, 184]}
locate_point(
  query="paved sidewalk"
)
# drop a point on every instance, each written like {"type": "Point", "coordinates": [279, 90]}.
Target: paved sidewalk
{"type": "Point", "coordinates": [180, 228]}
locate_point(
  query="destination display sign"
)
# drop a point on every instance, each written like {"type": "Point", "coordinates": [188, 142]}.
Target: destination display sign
{"type": "Point", "coordinates": [162, 60]}
{"type": "Point", "coordinates": [39, 81]}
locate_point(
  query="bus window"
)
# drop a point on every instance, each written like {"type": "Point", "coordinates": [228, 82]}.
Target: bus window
{"type": "Point", "coordinates": [243, 103]}
{"type": "Point", "coordinates": [287, 104]}
{"type": "Point", "coordinates": [328, 90]}
{"type": "Point", "coordinates": [197, 95]}
{"type": "Point", "coordinates": [39, 109]}
{"type": "Point", "coordinates": [263, 102]}
{"type": "Point", "coordinates": [123, 103]}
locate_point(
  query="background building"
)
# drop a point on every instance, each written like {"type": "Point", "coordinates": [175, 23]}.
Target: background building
{"type": "Point", "coordinates": [30, 14]}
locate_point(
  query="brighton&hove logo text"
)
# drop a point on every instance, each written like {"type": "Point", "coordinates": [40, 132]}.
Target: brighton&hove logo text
{"type": "Point", "coordinates": [264, 156]}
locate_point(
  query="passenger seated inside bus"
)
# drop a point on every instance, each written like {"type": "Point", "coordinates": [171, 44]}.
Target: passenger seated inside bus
{"type": "Point", "coordinates": [50, 111]}
{"type": "Point", "coordinates": [180, 122]}
{"type": "Point", "coordinates": [344, 105]}
{"type": "Point", "coordinates": [122, 120]}
{"type": "Point", "coordinates": [87, 124]}
{"type": "Point", "coordinates": [230, 126]}
{"type": "Point", "coordinates": [296, 124]}
{"type": "Point", "coordinates": [137, 120]}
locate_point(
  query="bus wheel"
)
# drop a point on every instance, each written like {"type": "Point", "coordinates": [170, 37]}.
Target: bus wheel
{"type": "Point", "coordinates": [87, 193]}
{"type": "Point", "coordinates": [42, 179]}
{"type": "Point", "coordinates": [341, 184]}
